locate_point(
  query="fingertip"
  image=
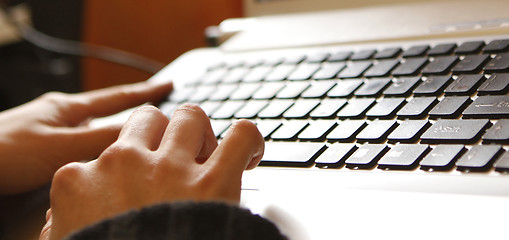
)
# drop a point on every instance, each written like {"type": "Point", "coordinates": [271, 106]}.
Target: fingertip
{"type": "Point", "coordinates": [247, 141]}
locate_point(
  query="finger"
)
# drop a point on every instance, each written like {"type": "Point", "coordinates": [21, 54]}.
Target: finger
{"type": "Point", "coordinates": [84, 143]}
{"type": "Point", "coordinates": [189, 134]}
{"type": "Point", "coordinates": [144, 128]}
{"type": "Point", "coordinates": [241, 149]}
{"type": "Point", "coordinates": [46, 230]}
{"type": "Point", "coordinates": [104, 102]}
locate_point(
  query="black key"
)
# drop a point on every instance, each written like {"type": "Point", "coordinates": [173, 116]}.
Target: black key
{"type": "Point", "coordinates": [355, 69]}
{"type": "Point", "coordinates": [257, 74]}
{"type": "Point", "coordinates": [329, 70]}
{"type": "Point", "coordinates": [470, 47]}
{"type": "Point", "coordinates": [500, 63]}
{"type": "Point", "coordinates": [372, 87]}
{"type": "Point", "coordinates": [317, 130]}
{"type": "Point", "coordinates": [301, 108]}
{"type": "Point", "coordinates": [254, 62]}
{"type": "Point", "coordinates": [417, 107]}
{"type": "Point", "coordinates": [416, 51]}
{"type": "Point", "coordinates": [382, 68]}
{"type": "Point", "coordinates": [403, 157]}
{"type": "Point", "coordinates": [168, 108]}
{"type": "Point", "coordinates": [289, 130]}
{"type": "Point", "coordinates": [227, 109]}
{"type": "Point", "coordinates": [471, 64]}
{"type": "Point", "coordinates": [234, 63]}
{"type": "Point", "coordinates": [318, 89]}
{"type": "Point", "coordinates": [433, 85]}
{"type": "Point", "coordinates": [498, 83]}
{"type": "Point", "coordinates": [304, 71]}
{"type": "Point", "coordinates": [219, 126]}
{"type": "Point", "coordinates": [275, 109]}
{"type": "Point", "coordinates": [363, 54]}
{"type": "Point", "coordinates": [440, 65]}
{"type": "Point", "coordinates": [298, 154]}
{"type": "Point", "coordinates": [502, 164]}
{"type": "Point", "coordinates": [339, 56]}
{"type": "Point", "coordinates": [347, 130]}
{"type": "Point", "coordinates": [280, 73]}
{"type": "Point", "coordinates": [442, 157]}
{"type": "Point", "coordinates": [235, 75]}
{"type": "Point", "coordinates": [455, 131]}
{"type": "Point", "coordinates": [489, 106]}
{"type": "Point", "coordinates": [181, 95]}
{"type": "Point", "coordinates": [214, 76]}
{"type": "Point", "coordinates": [251, 109]}
{"type": "Point", "coordinates": [479, 158]}
{"type": "Point", "coordinates": [292, 90]}
{"type": "Point", "coordinates": [465, 84]}
{"type": "Point", "coordinates": [366, 156]}
{"type": "Point", "coordinates": [388, 53]}
{"type": "Point", "coordinates": [402, 86]}
{"type": "Point", "coordinates": [498, 132]}
{"type": "Point", "coordinates": [442, 49]}
{"type": "Point", "coordinates": [386, 108]}
{"type": "Point", "coordinates": [345, 88]}
{"type": "Point", "coordinates": [494, 46]}
{"type": "Point", "coordinates": [201, 94]}
{"type": "Point", "coordinates": [245, 91]}
{"type": "Point", "coordinates": [222, 92]}
{"type": "Point", "coordinates": [318, 57]}
{"type": "Point", "coordinates": [335, 155]}
{"type": "Point", "coordinates": [356, 108]}
{"type": "Point", "coordinates": [328, 108]}
{"type": "Point", "coordinates": [267, 127]}
{"type": "Point", "coordinates": [450, 107]}
{"type": "Point", "coordinates": [292, 60]}
{"type": "Point", "coordinates": [209, 107]}
{"type": "Point", "coordinates": [377, 131]}
{"type": "Point", "coordinates": [219, 64]}
{"type": "Point", "coordinates": [268, 90]}
{"type": "Point", "coordinates": [410, 66]}
{"type": "Point", "coordinates": [409, 131]}
{"type": "Point", "coordinates": [274, 61]}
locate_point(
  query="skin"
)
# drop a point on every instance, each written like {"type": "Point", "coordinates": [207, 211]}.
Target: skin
{"type": "Point", "coordinates": [154, 160]}
{"type": "Point", "coordinates": [39, 137]}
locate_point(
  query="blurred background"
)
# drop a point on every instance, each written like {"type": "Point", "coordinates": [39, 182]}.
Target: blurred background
{"type": "Point", "coordinates": [160, 30]}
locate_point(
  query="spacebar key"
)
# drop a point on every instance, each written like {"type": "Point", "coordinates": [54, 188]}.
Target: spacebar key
{"type": "Point", "coordinates": [295, 154]}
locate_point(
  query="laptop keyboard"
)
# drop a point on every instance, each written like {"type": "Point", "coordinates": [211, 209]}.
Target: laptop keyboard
{"type": "Point", "coordinates": [442, 107]}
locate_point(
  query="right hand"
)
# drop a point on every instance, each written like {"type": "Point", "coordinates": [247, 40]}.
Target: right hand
{"type": "Point", "coordinates": [154, 160]}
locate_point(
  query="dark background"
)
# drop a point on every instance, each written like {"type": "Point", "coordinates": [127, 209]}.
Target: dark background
{"type": "Point", "coordinates": [27, 71]}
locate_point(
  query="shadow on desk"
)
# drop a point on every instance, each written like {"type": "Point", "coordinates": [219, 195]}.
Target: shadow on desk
{"type": "Point", "coordinates": [23, 216]}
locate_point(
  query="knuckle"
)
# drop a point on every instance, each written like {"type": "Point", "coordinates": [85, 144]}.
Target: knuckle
{"type": "Point", "coordinates": [66, 177]}
{"type": "Point", "coordinates": [54, 97]}
{"type": "Point", "coordinates": [117, 154]}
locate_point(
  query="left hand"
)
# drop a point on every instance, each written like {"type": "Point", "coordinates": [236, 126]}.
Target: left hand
{"type": "Point", "coordinates": [39, 137]}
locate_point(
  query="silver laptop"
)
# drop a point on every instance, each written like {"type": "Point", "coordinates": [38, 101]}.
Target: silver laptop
{"type": "Point", "coordinates": [381, 122]}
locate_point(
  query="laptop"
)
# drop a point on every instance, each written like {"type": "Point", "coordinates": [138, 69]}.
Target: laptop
{"type": "Point", "coordinates": [381, 122]}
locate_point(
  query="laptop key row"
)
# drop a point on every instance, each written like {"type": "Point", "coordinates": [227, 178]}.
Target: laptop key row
{"type": "Point", "coordinates": [446, 157]}
{"type": "Point", "coordinates": [464, 84]}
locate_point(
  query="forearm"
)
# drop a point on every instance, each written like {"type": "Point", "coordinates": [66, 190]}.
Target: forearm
{"type": "Point", "coordinates": [184, 220]}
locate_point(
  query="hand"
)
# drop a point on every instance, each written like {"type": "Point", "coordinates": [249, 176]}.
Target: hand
{"type": "Point", "coordinates": [39, 137]}
{"type": "Point", "coordinates": [154, 160]}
